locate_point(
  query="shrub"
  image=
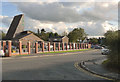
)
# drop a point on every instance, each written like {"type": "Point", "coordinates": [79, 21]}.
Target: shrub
{"type": "Point", "coordinates": [112, 41]}
{"type": "Point", "coordinates": [24, 46]}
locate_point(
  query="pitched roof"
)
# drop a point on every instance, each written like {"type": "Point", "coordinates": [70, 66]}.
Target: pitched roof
{"type": "Point", "coordinates": [20, 36]}
{"type": "Point", "coordinates": [24, 34]}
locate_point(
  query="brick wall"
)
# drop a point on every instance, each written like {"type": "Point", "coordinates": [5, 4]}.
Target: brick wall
{"type": "Point", "coordinates": [64, 48]}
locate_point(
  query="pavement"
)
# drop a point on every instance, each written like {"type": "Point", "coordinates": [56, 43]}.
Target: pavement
{"type": "Point", "coordinates": [49, 67]}
{"type": "Point", "coordinates": [95, 67]}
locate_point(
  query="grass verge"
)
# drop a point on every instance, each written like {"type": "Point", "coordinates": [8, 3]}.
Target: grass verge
{"type": "Point", "coordinates": [64, 51]}
{"type": "Point", "coordinates": [58, 52]}
{"type": "Point", "coordinates": [107, 64]}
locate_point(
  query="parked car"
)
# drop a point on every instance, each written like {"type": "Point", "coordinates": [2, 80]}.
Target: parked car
{"type": "Point", "coordinates": [96, 47]}
{"type": "Point", "coordinates": [67, 46]}
{"type": "Point", "coordinates": [2, 53]}
{"type": "Point", "coordinates": [51, 46]}
{"type": "Point", "coordinates": [13, 47]}
{"type": "Point", "coordinates": [105, 51]}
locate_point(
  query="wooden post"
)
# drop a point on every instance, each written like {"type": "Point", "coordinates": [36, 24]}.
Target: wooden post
{"type": "Point", "coordinates": [42, 46]}
{"type": "Point", "coordinates": [48, 46]}
{"type": "Point", "coordinates": [9, 48]}
{"type": "Point", "coordinates": [54, 47]}
{"type": "Point", "coordinates": [36, 47]}
{"type": "Point", "coordinates": [28, 45]}
{"type": "Point", "coordinates": [59, 46]}
{"type": "Point", "coordinates": [20, 47]}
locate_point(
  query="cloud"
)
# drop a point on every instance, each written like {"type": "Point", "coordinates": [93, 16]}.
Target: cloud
{"type": "Point", "coordinates": [65, 16]}
{"type": "Point", "coordinates": [49, 12]}
{"type": "Point", "coordinates": [5, 23]}
{"type": "Point", "coordinates": [69, 11]}
{"type": "Point", "coordinates": [91, 28]}
{"type": "Point", "coordinates": [6, 20]}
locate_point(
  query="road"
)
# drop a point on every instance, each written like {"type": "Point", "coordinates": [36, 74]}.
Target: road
{"type": "Point", "coordinates": [53, 67]}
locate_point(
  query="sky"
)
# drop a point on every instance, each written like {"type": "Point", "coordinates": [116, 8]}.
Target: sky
{"type": "Point", "coordinates": [95, 18]}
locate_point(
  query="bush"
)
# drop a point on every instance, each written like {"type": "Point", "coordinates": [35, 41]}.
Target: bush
{"type": "Point", "coordinates": [24, 46]}
{"type": "Point", "coordinates": [112, 40]}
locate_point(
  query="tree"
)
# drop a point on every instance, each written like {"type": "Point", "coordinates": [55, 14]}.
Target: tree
{"type": "Point", "coordinates": [94, 41]}
{"type": "Point", "coordinates": [38, 31]}
{"type": "Point", "coordinates": [112, 39]}
{"type": "Point", "coordinates": [77, 34]}
{"type": "Point", "coordinates": [2, 35]}
{"type": "Point", "coordinates": [43, 30]}
{"type": "Point", "coordinates": [56, 34]}
{"type": "Point", "coordinates": [51, 34]}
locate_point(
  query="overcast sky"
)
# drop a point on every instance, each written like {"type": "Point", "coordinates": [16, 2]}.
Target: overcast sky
{"type": "Point", "coordinates": [95, 17]}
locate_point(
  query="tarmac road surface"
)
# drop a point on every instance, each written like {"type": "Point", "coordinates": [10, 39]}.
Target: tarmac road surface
{"type": "Point", "coordinates": [50, 67]}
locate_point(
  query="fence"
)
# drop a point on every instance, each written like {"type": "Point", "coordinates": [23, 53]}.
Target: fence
{"type": "Point", "coordinates": [16, 48]}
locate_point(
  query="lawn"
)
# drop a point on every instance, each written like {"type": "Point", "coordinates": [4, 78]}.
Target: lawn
{"type": "Point", "coordinates": [57, 52]}
{"type": "Point", "coordinates": [64, 51]}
